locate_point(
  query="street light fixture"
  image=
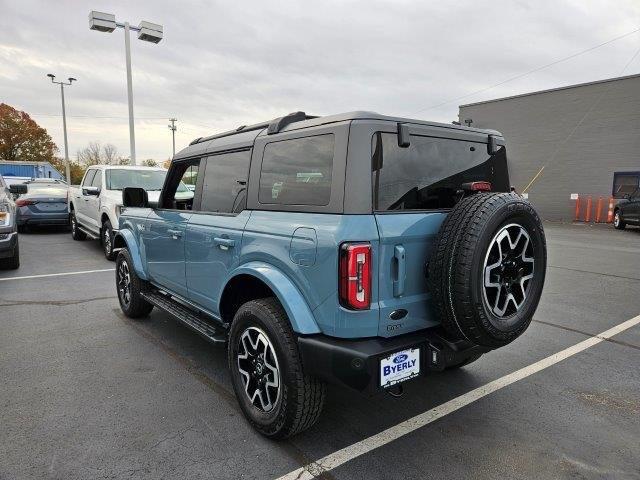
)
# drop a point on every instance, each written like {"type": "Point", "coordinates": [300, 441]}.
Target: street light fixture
{"type": "Point", "coordinates": [64, 123]}
{"type": "Point", "coordinates": [147, 31]}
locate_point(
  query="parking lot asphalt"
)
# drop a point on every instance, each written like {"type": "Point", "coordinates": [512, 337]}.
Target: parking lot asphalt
{"type": "Point", "coordinates": [88, 393]}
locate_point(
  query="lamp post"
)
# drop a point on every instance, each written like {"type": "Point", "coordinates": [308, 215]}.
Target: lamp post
{"type": "Point", "coordinates": [173, 129]}
{"type": "Point", "coordinates": [149, 32]}
{"type": "Point", "coordinates": [64, 123]}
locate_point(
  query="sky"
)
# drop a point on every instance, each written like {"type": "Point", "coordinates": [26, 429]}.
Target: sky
{"type": "Point", "coordinates": [222, 64]}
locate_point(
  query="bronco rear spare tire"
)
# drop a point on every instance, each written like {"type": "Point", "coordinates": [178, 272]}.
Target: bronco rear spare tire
{"type": "Point", "coordinates": [487, 268]}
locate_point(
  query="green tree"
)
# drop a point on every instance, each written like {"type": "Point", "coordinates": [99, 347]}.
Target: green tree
{"type": "Point", "coordinates": [22, 139]}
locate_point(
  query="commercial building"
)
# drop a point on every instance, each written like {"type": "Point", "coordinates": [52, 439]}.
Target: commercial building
{"type": "Point", "coordinates": [29, 169]}
{"type": "Point", "coordinates": [582, 139]}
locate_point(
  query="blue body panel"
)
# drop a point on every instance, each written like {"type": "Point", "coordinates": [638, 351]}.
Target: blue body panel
{"type": "Point", "coordinates": [284, 241]}
{"type": "Point", "coordinates": [134, 249]}
{"type": "Point", "coordinates": [165, 253]}
{"type": "Point", "coordinates": [295, 254]}
{"type": "Point", "coordinates": [213, 244]}
{"type": "Point", "coordinates": [405, 245]}
{"type": "Point", "coordinates": [301, 317]}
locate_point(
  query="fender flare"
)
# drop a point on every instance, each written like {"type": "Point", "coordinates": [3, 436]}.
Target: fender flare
{"type": "Point", "coordinates": [298, 311]}
{"type": "Point", "coordinates": [134, 251]}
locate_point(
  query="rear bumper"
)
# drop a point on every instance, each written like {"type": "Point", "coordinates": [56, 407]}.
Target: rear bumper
{"type": "Point", "coordinates": [59, 218]}
{"type": "Point", "coordinates": [8, 243]}
{"type": "Point", "coordinates": [356, 363]}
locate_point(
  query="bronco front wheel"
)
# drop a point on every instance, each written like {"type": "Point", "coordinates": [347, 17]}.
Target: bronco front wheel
{"type": "Point", "coordinates": [274, 393]}
{"type": "Point", "coordinates": [129, 287]}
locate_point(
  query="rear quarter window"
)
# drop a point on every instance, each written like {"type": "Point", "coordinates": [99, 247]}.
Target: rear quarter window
{"type": "Point", "coordinates": [297, 171]}
{"type": "Point", "coordinates": [428, 175]}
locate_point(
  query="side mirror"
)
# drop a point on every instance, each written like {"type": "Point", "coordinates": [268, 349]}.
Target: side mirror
{"type": "Point", "coordinates": [18, 189]}
{"type": "Point", "coordinates": [135, 197]}
{"type": "Point", "coordinates": [90, 191]}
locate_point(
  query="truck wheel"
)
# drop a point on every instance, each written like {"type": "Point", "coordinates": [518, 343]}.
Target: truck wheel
{"type": "Point", "coordinates": [129, 286]}
{"type": "Point", "coordinates": [12, 263]}
{"type": "Point", "coordinates": [76, 233]}
{"type": "Point", "coordinates": [107, 240]}
{"type": "Point", "coordinates": [617, 221]}
{"type": "Point", "coordinates": [487, 268]}
{"type": "Point", "coordinates": [275, 395]}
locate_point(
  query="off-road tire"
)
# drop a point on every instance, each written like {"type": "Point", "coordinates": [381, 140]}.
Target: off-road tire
{"type": "Point", "coordinates": [137, 306]}
{"type": "Point", "coordinates": [618, 223]}
{"type": "Point", "coordinates": [456, 268]}
{"type": "Point", "coordinates": [11, 263]}
{"type": "Point", "coordinates": [302, 396]}
{"type": "Point", "coordinates": [107, 243]}
{"type": "Point", "coordinates": [76, 233]}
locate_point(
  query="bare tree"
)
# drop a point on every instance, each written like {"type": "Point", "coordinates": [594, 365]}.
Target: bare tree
{"type": "Point", "coordinates": [110, 154]}
{"type": "Point", "coordinates": [95, 154]}
{"type": "Point", "coordinates": [90, 155]}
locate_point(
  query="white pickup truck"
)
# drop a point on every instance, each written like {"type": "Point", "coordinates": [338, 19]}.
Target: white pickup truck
{"type": "Point", "coordinates": [95, 205]}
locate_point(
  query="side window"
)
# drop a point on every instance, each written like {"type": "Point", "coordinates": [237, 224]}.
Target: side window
{"type": "Point", "coordinates": [430, 172]}
{"type": "Point", "coordinates": [180, 189]}
{"type": "Point", "coordinates": [225, 182]}
{"type": "Point", "coordinates": [88, 177]}
{"type": "Point", "coordinates": [97, 179]}
{"type": "Point", "coordinates": [298, 171]}
{"type": "Point", "coordinates": [625, 183]}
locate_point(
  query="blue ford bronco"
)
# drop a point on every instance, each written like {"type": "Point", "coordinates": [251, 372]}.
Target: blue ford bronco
{"type": "Point", "coordinates": [357, 249]}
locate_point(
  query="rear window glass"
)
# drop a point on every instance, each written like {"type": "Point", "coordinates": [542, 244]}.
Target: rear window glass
{"type": "Point", "coordinates": [429, 173]}
{"type": "Point", "coordinates": [298, 171]}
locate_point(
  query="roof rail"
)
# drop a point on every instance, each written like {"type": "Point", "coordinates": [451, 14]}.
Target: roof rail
{"type": "Point", "coordinates": [279, 123]}
{"type": "Point", "coordinates": [273, 126]}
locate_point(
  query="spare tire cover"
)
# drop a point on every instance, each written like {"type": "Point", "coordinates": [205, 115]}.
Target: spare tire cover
{"type": "Point", "coordinates": [487, 267]}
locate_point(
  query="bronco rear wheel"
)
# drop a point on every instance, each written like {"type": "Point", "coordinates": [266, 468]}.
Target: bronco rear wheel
{"type": "Point", "coordinates": [487, 268]}
{"type": "Point", "coordinates": [274, 393]}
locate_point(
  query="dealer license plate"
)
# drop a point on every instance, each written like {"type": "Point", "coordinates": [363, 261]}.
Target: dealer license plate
{"type": "Point", "coordinates": [399, 367]}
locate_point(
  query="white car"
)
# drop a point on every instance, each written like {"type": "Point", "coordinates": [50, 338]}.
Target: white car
{"type": "Point", "coordinates": [95, 205]}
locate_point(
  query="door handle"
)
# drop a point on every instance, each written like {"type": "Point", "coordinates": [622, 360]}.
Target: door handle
{"type": "Point", "coordinates": [175, 234]}
{"type": "Point", "coordinates": [224, 243]}
{"type": "Point", "coordinates": [401, 272]}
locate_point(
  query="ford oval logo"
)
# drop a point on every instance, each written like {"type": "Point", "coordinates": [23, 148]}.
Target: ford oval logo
{"type": "Point", "coordinates": [400, 358]}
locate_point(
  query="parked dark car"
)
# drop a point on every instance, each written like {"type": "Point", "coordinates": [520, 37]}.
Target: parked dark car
{"type": "Point", "coordinates": [9, 250]}
{"type": "Point", "coordinates": [627, 211]}
{"type": "Point", "coordinates": [45, 203]}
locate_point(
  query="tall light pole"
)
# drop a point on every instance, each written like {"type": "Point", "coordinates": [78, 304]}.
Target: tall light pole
{"type": "Point", "coordinates": [67, 173]}
{"type": "Point", "coordinates": [173, 129]}
{"type": "Point", "coordinates": [149, 32]}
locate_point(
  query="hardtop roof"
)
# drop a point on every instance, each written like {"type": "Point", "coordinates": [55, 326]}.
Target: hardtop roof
{"type": "Point", "coordinates": [245, 135]}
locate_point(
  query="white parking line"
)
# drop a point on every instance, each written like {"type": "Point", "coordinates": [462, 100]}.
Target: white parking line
{"type": "Point", "coordinates": [56, 274]}
{"type": "Point", "coordinates": [346, 454]}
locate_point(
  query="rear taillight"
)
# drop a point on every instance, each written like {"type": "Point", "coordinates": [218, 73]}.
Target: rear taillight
{"type": "Point", "coordinates": [477, 186]}
{"type": "Point", "coordinates": [355, 276]}
{"type": "Point", "coordinates": [23, 202]}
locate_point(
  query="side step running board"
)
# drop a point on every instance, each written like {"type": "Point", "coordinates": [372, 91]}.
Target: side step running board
{"type": "Point", "coordinates": [88, 232]}
{"type": "Point", "coordinates": [187, 316]}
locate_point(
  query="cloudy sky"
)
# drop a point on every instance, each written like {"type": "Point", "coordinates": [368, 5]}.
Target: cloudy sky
{"type": "Point", "coordinates": [222, 64]}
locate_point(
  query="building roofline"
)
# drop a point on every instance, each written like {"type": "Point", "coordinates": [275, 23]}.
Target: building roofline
{"type": "Point", "coordinates": [566, 87]}
{"type": "Point", "coordinates": [21, 162]}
